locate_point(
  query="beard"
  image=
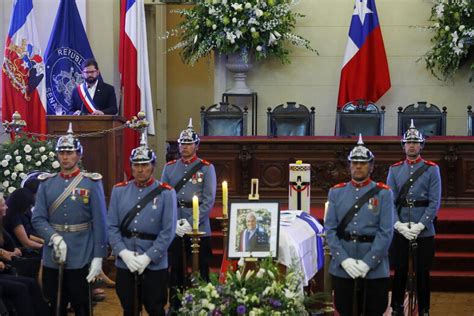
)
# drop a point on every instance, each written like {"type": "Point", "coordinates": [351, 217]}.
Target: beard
{"type": "Point", "coordinates": [91, 80]}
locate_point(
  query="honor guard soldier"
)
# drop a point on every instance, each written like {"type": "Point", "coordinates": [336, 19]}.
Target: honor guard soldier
{"type": "Point", "coordinates": [70, 216]}
{"type": "Point", "coordinates": [416, 185]}
{"type": "Point", "coordinates": [141, 226]}
{"type": "Point", "coordinates": [190, 176]}
{"type": "Point", "coordinates": [359, 230]}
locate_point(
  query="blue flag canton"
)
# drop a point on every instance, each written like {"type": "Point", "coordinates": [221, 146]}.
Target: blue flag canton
{"type": "Point", "coordinates": [63, 73]}
{"type": "Point", "coordinates": [364, 20]}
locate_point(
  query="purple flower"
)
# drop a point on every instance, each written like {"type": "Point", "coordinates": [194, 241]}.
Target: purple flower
{"type": "Point", "coordinates": [188, 298]}
{"type": "Point", "coordinates": [275, 303]}
{"type": "Point", "coordinates": [241, 309]}
{"type": "Point", "coordinates": [217, 312]}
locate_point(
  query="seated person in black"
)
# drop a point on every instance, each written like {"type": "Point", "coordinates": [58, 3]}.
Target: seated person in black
{"type": "Point", "coordinates": [17, 222]}
{"type": "Point", "coordinates": [94, 96]}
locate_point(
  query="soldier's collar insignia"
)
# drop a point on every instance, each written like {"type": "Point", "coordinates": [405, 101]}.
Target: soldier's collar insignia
{"type": "Point", "coordinates": [187, 162]}
{"type": "Point", "coordinates": [70, 175]}
{"type": "Point", "coordinates": [412, 162]}
{"type": "Point", "coordinates": [361, 184]}
{"type": "Point", "coordinates": [146, 184]}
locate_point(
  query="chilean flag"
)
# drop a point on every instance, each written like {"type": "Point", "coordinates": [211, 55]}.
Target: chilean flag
{"type": "Point", "coordinates": [23, 70]}
{"type": "Point", "coordinates": [364, 73]}
{"type": "Point", "coordinates": [133, 66]}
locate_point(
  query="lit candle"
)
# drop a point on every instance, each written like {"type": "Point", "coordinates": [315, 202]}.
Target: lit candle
{"type": "Point", "coordinates": [326, 206]}
{"type": "Point", "coordinates": [225, 196]}
{"type": "Point", "coordinates": [195, 213]}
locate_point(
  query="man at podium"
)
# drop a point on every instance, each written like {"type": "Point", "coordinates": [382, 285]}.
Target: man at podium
{"type": "Point", "coordinates": [93, 96]}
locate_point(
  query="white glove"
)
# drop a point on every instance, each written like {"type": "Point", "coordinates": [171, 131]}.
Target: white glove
{"type": "Point", "coordinates": [59, 248]}
{"type": "Point", "coordinates": [183, 227]}
{"type": "Point", "coordinates": [363, 267]}
{"type": "Point", "coordinates": [130, 260]}
{"type": "Point", "coordinates": [94, 270]}
{"type": "Point", "coordinates": [417, 228]}
{"type": "Point", "coordinates": [351, 267]}
{"type": "Point", "coordinates": [144, 261]}
{"type": "Point", "coordinates": [403, 229]}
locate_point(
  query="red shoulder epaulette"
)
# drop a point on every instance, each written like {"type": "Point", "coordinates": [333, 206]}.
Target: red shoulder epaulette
{"type": "Point", "coordinates": [171, 162]}
{"type": "Point", "coordinates": [205, 162]}
{"type": "Point", "coordinates": [398, 163]}
{"type": "Point", "coordinates": [339, 185]}
{"type": "Point", "coordinates": [430, 163]}
{"type": "Point", "coordinates": [383, 185]}
{"type": "Point", "coordinates": [121, 184]}
{"type": "Point", "coordinates": [166, 186]}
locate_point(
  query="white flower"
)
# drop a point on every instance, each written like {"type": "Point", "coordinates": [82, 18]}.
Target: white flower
{"type": "Point", "coordinates": [270, 273]}
{"type": "Point", "coordinates": [14, 176]}
{"type": "Point", "coordinates": [16, 152]}
{"type": "Point", "coordinates": [19, 167]}
{"type": "Point", "coordinates": [231, 37]}
{"type": "Point", "coordinates": [260, 273]}
{"type": "Point", "coordinates": [439, 10]}
{"type": "Point", "coordinates": [11, 190]}
{"type": "Point", "coordinates": [258, 13]}
{"type": "Point", "coordinates": [5, 184]}
{"type": "Point", "coordinates": [51, 154]}
{"type": "Point", "coordinates": [241, 262]}
{"type": "Point", "coordinates": [271, 39]}
{"type": "Point", "coordinates": [8, 157]}
{"type": "Point", "coordinates": [234, 20]}
{"type": "Point", "coordinates": [289, 294]}
{"type": "Point", "coordinates": [259, 48]}
{"type": "Point", "coordinates": [43, 158]}
{"type": "Point", "coordinates": [436, 25]}
{"type": "Point", "coordinates": [22, 175]}
{"type": "Point", "coordinates": [18, 158]}
{"type": "Point", "coordinates": [252, 29]}
{"type": "Point", "coordinates": [237, 6]}
{"type": "Point", "coordinates": [38, 163]}
{"type": "Point", "coordinates": [248, 5]}
{"type": "Point", "coordinates": [461, 28]}
{"type": "Point", "coordinates": [42, 149]}
{"type": "Point", "coordinates": [214, 26]}
{"type": "Point", "coordinates": [238, 33]}
{"type": "Point", "coordinates": [238, 275]}
{"type": "Point", "coordinates": [6, 172]}
{"type": "Point", "coordinates": [446, 28]}
{"type": "Point", "coordinates": [212, 10]}
{"type": "Point", "coordinates": [4, 163]}
{"type": "Point", "coordinates": [27, 148]}
{"type": "Point", "coordinates": [28, 158]}
{"type": "Point", "coordinates": [55, 164]}
{"type": "Point", "coordinates": [249, 274]}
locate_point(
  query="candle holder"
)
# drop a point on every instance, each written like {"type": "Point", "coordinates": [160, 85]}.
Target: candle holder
{"type": "Point", "coordinates": [195, 237]}
{"type": "Point", "coordinates": [224, 222]}
{"type": "Point", "coordinates": [328, 304]}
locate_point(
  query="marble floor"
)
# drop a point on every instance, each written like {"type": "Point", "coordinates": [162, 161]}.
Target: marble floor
{"type": "Point", "coordinates": [442, 304]}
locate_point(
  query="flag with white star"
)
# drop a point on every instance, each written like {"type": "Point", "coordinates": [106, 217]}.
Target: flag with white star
{"type": "Point", "coordinates": [365, 74]}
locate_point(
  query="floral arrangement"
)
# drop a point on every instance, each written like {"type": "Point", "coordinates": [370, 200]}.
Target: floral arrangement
{"type": "Point", "coordinates": [262, 291]}
{"type": "Point", "coordinates": [453, 39]}
{"type": "Point", "coordinates": [257, 27]}
{"type": "Point", "coordinates": [22, 155]}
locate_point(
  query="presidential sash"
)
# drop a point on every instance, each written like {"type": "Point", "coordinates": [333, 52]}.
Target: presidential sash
{"type": "Point", "coordinates": [86, 97]}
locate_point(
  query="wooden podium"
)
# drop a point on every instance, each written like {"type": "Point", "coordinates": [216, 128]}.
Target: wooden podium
{"type": "Point", "coordinates": [102, 152]}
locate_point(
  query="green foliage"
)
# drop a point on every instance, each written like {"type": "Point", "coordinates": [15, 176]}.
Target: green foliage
{"type": "Point", "coordinates": [257, 27]}
{"type": "Point", "coordinates": [259, 291]}
{"type": "Point", "coordinates": [453, 27]}
{"type": "Point", "coordinates": [21, 156]}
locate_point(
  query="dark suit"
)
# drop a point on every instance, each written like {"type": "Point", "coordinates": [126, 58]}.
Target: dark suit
{"type": "Point", "coordinates": [257, 242]}
{"type": "Point", "coordinates": [104, 99]}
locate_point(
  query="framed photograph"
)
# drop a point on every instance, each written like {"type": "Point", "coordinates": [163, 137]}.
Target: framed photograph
{"type": "Point", "coordinates": [254, 227]}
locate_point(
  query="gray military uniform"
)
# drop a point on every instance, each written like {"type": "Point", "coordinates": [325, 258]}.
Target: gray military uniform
{"type": "Point", "coordinates": [375, 218]}
{"type": "Point", "coordinates": [81, 216]}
